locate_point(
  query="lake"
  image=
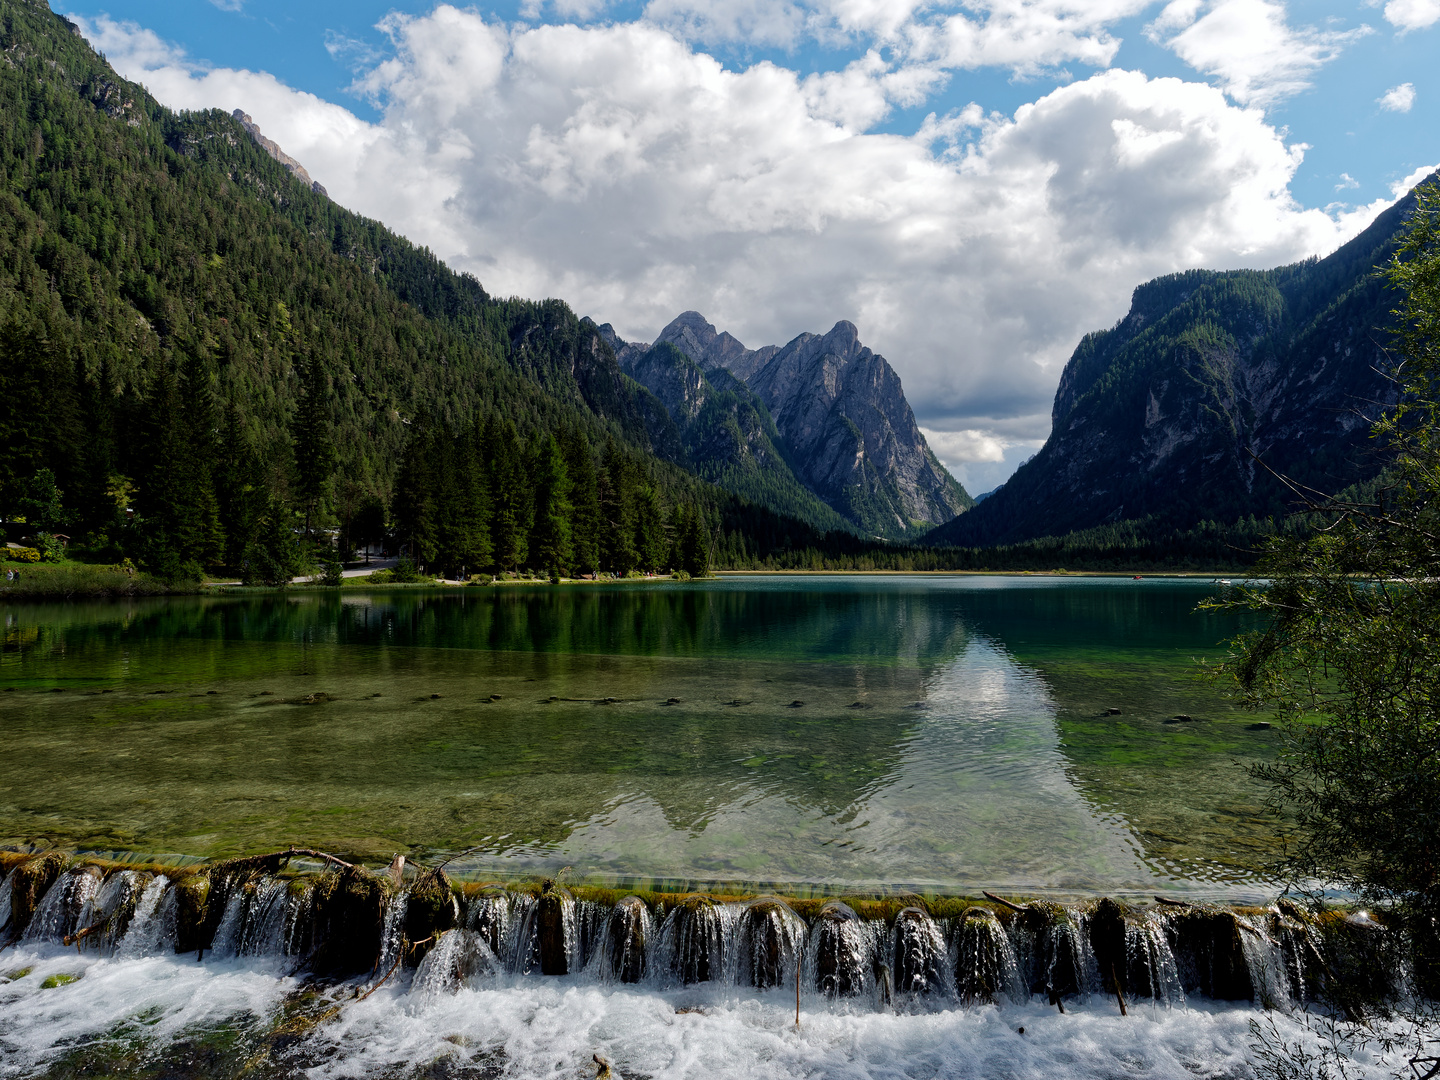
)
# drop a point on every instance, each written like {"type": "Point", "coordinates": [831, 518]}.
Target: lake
{"type": "Point", "coordinates": [808, 734]}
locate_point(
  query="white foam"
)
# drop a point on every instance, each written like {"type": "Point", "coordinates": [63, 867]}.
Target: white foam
{"type": "Point", "coordinates": [549, 1027]}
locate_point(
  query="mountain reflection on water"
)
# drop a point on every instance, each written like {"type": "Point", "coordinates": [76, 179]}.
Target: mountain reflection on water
{"type": "Point", "coordinates": [937, 732]}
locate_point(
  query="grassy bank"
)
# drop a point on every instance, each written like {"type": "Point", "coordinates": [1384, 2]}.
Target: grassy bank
{"type": "Point", "coordinates": [73, 580]}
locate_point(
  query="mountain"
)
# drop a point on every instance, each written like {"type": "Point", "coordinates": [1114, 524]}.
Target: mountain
{"type": "Point", "coordinates": [839, 417]}
{"type": "Point", "coordinates": [725, 432]}
{"type": "Point", "coordinates": [190, 330]}
{"type": "Point", "coordinates": [1185, 410]}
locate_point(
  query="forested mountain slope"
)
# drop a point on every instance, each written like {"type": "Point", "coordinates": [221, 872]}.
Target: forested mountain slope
{"type": "Point", "coordinates": [1213, 382]}
{"type": "Point", "coordinates": [189, 331]}
{"type": "Point", "coordinates": [833, 411]}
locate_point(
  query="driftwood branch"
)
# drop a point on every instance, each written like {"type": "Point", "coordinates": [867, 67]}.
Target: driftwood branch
{"type": "Point", "coordinates": [1002, 900]}
{"type": "Point", "coordinates": [1172, 903]}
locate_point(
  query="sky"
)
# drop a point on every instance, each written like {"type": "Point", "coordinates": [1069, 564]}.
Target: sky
{"type": "Point", "coordinates": [976, 184]}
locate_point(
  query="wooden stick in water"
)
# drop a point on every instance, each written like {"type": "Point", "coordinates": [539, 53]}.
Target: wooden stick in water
{"type": "Point", "coordinates": [1002, 900]}
{"type": "Point", "coordinates": [1120, 997]}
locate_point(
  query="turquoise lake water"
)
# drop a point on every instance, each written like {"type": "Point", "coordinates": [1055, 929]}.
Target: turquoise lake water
{"type": "Point", "coordinates": [941, 733]}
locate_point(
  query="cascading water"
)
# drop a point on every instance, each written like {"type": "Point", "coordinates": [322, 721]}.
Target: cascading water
{"type": "Point", "coordinates": [621, 955]}
{"type": "Point", "coordinates": [843, 956]}
{"type": "Point", "coordinates": [59, 911]}
{"type": "Point", "coordinates": [1052, 950]}
{"type": "Point", "coordinates": [772, 937]}
{"type": "Point", "coordinates": [693, 940]}
{"type": "Point", "coordinates": [921, 961]}
{"type": "Point", "coordinates": [459, 956]}
{"type": "Point", "coordinates": [1151, 970]}
{"type": "Point", "coordinates": [986, 970]}
{"type": "Point", "coordinates": [147, 930]}
{"type": "Point", "coordinates": [104, 920]}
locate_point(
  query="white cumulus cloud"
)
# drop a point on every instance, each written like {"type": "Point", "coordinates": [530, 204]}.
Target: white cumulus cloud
{"type": "Point", "coordinates": [1412, 14]}
{"type": "Point", "coordinates": [1249, 46]}
{"type": "Point", "coordinates": [1398, 98]}
{"type": "Point", "coordinates": [618, 168]}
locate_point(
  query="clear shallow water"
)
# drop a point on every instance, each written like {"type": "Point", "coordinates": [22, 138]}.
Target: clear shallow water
{"type": "Point", "coordinates": [951, 735]}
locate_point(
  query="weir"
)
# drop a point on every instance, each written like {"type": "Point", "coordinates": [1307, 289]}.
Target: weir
{"type": "Point", "coordinates": [899, 952]}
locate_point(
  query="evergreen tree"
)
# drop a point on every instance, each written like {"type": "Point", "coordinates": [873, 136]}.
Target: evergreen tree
{"type": "Point", "coordinates": [551, 545]}
{"type": "Point", "coordinates": [179, 513]}
{"type": "Point", "coordinates": [585, 498]}
{"type": "Point", "coordinates": [465, 511]}
{"type": "Point", "coordinates": [314, 447]}
{"type": "Point", "coordinates": [416, 491]}
{"type": "Point", "coordinates": [617, 512]}
{"type": "Point", "coordinates": [509, 495]}
{"type": "Point", "coordinates": [651, 543]}
{"type": "Point", "coordinates": [691, 543]}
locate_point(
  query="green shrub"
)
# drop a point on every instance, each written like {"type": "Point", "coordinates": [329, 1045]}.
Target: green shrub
{"type": "Point", "coordinates": [379, 577]}
{"type": "Point", "coordinates": [679, 575]}
{"type": "Point", "coordinates": [405, 571]}
{"type": "Point", "coordinates": [23, 555]}
{"type": "Point", "coordinates": [331, 573]}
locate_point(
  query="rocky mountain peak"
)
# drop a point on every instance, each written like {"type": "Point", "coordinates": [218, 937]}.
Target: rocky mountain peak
{"type": "Point", "coordinates": [271, 147]}
{"type": "Point", "coordinates": [839, 412]}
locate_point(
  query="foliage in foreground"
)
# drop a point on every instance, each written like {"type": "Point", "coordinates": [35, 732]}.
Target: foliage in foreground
{"type": "Point", "coordinates": [1349, 660]}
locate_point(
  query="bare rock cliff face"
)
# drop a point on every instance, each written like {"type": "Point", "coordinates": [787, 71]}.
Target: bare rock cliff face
{"type": "Point", "coordinates": [840, 415]}
{"type": "Point", "coordinates": [271, 147]}
{"type": "Point", "coordinates": [1213, 383]}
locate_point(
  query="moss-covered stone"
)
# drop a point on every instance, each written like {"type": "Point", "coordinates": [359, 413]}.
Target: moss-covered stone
{"type": "Point", "coordinates": [430, 909]}
{"type": "Point", "coordinates": [347, 918]}
{"type": "Point", "coordinates": [192, 903]}
{"type": "Point", "coordinates": [29, 881]}
{"type": "Point", "coordinates": [551, 931]}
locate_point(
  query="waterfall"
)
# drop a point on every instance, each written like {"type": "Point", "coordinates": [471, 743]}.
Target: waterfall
{"type": "Point", "coordinates": [1277, 957]}
{"type": "Point", "coordinates": [696, 942]}
{"type": "Point", "coordinates": [152, 924]}
{"type": "Point", "coordinates": [1151, 970]}
{"type": "Point", "coordinates": [620, 954]}
{"type": "Point", "coordinates": [843, 956]}
{"type": "Point", "coordinates": [460, 955]}
{"type": "Point", "coordinates": [772, 938]}
{"type": "Point", "coordinates": [5, 887]}
{"type": "Point", "coordinates": [1053, 951]}
{"type": "Point", "coordinates": [111, 910]}
{"type": "Point", "coordinates": [58, 912]}
{"type": "Point", "coordinates": [921, 960]}
{"type": "Point", "coordinates": [392, 935]}
{"type": "Point", "coordinates": [986, 969]}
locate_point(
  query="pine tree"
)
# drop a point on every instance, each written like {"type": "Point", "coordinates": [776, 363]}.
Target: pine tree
{"type": "Point", "coordinates": [314, 447]}
{"type": "Point", "coordinates": [651, 543]}
{"type": "Point", "coordinates": [510, 495]}
{"type": "Point", "coordinates": [585, 498]}
{"type": "Point", "coordinates": [617, 512]}
{"type": "Point", "coordinates": [415, 499]}
{"type": "Point", "coordinates": [551, 545]}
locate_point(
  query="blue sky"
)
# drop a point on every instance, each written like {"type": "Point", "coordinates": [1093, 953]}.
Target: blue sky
{"type": "Point", "coordinates": [1071, 151]}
